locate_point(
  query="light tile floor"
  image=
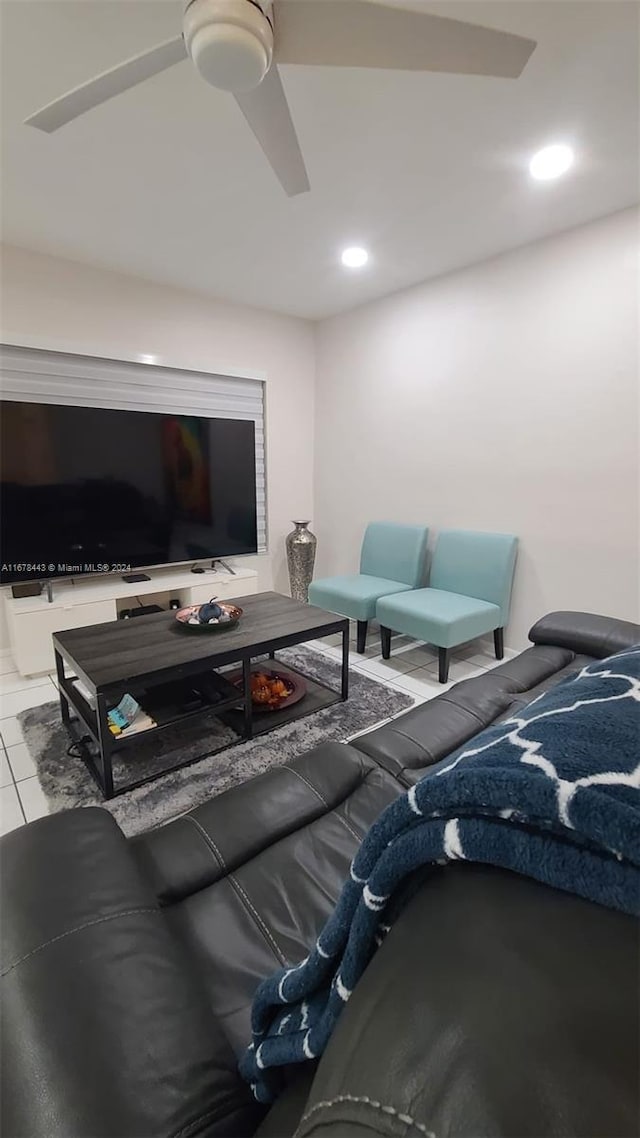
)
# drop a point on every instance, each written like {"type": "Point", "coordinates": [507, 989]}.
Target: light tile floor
{"type": "Point", "coordinates": [21, 798]}
{"type": "Point", "coordinates": [413, 669]}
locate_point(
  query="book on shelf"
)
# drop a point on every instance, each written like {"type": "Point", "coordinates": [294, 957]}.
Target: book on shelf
{"type": "Point", "coordinates": [140, 722]}
{"type": "Point", "coordinates": [129, 718]}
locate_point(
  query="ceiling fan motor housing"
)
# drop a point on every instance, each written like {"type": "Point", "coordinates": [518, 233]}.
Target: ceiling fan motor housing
{"type": "Point", "coordinates": [229, 41]}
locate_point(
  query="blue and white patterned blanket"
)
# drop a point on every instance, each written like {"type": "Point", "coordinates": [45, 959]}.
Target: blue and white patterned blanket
{"type": "Point", "coordinates": [551, 793]}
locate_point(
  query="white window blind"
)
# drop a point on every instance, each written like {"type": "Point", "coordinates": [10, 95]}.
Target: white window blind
{"type": "Point", "coordinates": [29, 375]}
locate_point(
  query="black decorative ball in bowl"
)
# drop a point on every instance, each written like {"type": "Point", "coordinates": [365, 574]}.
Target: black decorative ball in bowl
{"type": "Point", "coordinates": [214, 616]}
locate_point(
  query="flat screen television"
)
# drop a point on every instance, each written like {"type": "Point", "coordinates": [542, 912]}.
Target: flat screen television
{"type": "Point", "coordinates": [91, 490]}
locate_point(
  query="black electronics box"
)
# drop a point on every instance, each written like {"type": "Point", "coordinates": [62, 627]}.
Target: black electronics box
{"type": "Point", "coordinates": [29, 589]}
{"type": "Point", "coordinates": [142, 610]}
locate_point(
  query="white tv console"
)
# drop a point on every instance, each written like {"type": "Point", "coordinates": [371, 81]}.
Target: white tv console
{"type": "Point", "coordinates": [95, 600]}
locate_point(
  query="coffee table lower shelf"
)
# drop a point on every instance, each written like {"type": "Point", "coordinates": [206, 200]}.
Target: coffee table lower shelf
{"type": "Point", "coordinates": [107, 764]}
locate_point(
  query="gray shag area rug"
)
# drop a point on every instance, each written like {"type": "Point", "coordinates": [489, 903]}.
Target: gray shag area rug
{"type": "Point", "coordinates": [67, 783]}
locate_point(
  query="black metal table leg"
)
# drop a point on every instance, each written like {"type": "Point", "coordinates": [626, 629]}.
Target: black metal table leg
{"type": "Point", "coordinates": [105, 739]}
{"type": "Point", "coordinates": [248, 704]}
{"type": "Point", "coordinates": [64, 702]}
{"type": "Point", "coordinates": [345, 663]}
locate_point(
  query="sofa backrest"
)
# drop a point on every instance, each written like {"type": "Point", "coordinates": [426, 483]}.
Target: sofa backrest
{"type": "Point", "coordinates": [476, 565]}
{"type": "Point", "coordinates": [107, 1026]}
{"type": "Point", "coordinates": [395, 552]}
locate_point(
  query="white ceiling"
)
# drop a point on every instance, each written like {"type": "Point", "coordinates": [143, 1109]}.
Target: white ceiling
{"type": "Point", "coordinates": [428, 171]}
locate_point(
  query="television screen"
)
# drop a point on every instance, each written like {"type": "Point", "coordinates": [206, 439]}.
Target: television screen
{"type": "Point", "coordinates": [89, 490]}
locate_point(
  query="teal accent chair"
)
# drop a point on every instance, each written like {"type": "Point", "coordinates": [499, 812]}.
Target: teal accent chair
{"type": "Point", "coordinates": [469, 595]}
{"type": "Point", "coordinates": [391, 561]}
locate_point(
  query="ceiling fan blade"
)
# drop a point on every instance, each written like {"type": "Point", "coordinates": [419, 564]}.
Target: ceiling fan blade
{"type": "Point", "coordinates": [359, 33]}
{"type": "Point", "coordinates": [267, 112]}
{"type": "Point", "coordinates": [110, 83]}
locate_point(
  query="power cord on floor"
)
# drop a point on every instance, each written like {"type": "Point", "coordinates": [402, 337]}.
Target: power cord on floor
{"type": "Point", "coordinates": [73, 752]}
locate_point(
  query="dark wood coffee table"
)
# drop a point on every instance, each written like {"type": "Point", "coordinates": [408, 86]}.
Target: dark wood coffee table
{"type": "Point", "coordinates": [141, 654]}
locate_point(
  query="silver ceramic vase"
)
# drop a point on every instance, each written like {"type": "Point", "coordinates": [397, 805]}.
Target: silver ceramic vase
{"type": "Point", "coordinates": [301, 555]}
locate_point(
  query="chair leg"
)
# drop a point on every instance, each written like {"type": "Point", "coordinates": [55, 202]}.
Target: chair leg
{"type": "Point", "coordinates": [385, 639]}
{"type": "Point", "coordinates": [443, 664]}
{"type": "Point", "coordinates": [498, 643]}
{"type": "Point", "coordinates": [362, 636]}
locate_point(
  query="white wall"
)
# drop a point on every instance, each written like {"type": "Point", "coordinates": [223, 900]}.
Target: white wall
{"type": "Point", "coordinates": [503, 397]}
{"type": "Point", "coordinates": [52, 303]}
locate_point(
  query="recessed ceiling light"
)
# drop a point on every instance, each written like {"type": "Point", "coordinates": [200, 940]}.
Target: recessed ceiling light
{"type": "Point", "coordinates": [147, 359]}
{"type": "Point", "coordinates": [354, 257]}
{"type": "Point", "coordinates": [551, 162]}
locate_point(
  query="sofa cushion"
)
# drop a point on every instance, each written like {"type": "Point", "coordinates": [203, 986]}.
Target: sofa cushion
{"type": "Point", "coordinates": [247, 887]}
{"type": "Point", "coordinates": [353, 596]}
{"type": "Point", "coordinates": [430, 732]}
{"type": "Point", "coordinates": [438, 617]}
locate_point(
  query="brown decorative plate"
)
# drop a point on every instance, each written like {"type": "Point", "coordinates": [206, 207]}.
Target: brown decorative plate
{"type": "Point", "coordinates": [184, 617]}
{"type": "Point", "coordinates": [295, 683]}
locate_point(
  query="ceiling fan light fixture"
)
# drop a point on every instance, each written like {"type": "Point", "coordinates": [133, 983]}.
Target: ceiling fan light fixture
{"type": "Point", "coordinates": [230, 43]}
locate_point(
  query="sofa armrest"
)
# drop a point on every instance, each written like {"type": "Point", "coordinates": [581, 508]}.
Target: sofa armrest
{"type": "Point", "coordinates": [105, 1030]}
{"type": "Point", "coordinates": [585, 633]}
{"type": "Point", "coordinates": [490, 1009]}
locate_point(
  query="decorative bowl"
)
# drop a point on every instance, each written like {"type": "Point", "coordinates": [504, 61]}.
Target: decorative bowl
{"type": "Point", "coordinates": [188, 618]}
{"type": "Point", "coordinates": [295, 685]}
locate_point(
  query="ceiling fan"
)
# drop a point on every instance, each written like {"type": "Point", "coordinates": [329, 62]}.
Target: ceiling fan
{"type": "Point", "coordinates": [236, 45]}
